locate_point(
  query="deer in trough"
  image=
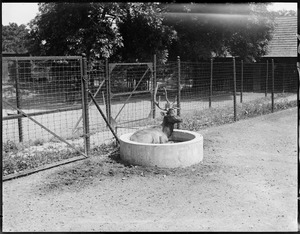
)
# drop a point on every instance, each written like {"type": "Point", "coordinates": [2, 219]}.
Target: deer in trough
{"type": "Point", "coordinates": [159, 134]}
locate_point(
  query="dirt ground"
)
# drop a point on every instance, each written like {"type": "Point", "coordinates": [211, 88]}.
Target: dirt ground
{"type": "Point", "coordinates": [246, 182]}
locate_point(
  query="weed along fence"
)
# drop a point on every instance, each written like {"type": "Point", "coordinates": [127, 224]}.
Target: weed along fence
{"type": "Point", "coordinates": [50, 105]}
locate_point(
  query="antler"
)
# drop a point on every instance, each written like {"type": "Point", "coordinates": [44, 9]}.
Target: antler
{"type": "Point", "coordinates": [174, 102]}
{"type": "Point", "coordinates": [168, 105]}
{"type": "Point", "coordinates": [166, 96]}
{"type": "Point", "coordinates": [155, 101]}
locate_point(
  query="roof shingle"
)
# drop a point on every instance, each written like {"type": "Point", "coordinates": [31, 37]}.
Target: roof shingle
{"type": "Point", "coordinates": [284, 41]}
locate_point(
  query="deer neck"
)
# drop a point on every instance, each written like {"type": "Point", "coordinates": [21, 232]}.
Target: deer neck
{"type": "Point", "coordinates": [167, 129]}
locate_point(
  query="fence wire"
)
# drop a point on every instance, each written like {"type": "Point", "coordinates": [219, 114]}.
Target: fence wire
{"type": "Point", "coordinates": [131, 87]}
{"type": "Point", "coordinates": [97, 85]}
{"type": "Point", "coordinates": [49, 89]}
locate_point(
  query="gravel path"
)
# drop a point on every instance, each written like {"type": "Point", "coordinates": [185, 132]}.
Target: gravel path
{"type": "Point", "coordinates": [246, 182]}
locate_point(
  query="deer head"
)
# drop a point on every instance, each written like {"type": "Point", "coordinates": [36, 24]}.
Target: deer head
{"type": "Point", "coordinates": [159, 135]}
{"type": "Point", "coordinates": [170, 117]}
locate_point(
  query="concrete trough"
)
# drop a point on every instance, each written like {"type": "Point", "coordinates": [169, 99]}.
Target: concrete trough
{"type": "Point", "coordinates": [186, 150]}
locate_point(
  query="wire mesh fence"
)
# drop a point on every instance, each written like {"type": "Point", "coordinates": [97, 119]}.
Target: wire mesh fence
{"type": "Point", "coordinates": [96, 85]}
{"type": "Point", "coordinates": [53, 92]}
{"type": "Point", "coordinates": [41, 87]}
{"type": "Point", "coordinates": [41, 98]}
{"type": "Point", "coordinates": [130, 92]}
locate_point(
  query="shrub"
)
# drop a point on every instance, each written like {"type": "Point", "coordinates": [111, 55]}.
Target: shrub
{"type": "Point", "coordinates": [38, 142]}
{"type": "Point", "coordinates": [9, 146]}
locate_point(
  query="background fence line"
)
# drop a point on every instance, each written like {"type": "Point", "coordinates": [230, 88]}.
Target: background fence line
{"type": "Point", "coordinates": [54, 90]}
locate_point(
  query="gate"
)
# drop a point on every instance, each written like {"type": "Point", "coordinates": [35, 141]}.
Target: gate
{"type": "Point", "coordinates": [124, 92]}
{"type": "Point", "coordinates": [49, 117]}
{"type": "Point", "coordinates": [42, 98]}
{"type": "Point", "coordinates": [129, 99]}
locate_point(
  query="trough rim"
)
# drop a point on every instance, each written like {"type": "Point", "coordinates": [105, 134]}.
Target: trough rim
{"type": "Point", "coordinates": [197, 136]}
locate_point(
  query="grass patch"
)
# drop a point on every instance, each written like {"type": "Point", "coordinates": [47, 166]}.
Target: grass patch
{"type": "Point", "coordinates": [263, 106]}
{"type": "Point", "coordinates": [103, 149]}
{"type": "Point", "coordinates": [13, 163]}
{"type": "Point", "coordinates": [207, 118]}
{"type": "Point", "coordinates": [24, 156]}
{"type": "Point", "coordinates": [20, 157]}
{"type": "Point", "coordinates": [219, 116]}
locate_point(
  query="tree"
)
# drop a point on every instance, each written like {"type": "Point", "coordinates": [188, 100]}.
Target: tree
{"type": "Point", "coordinates": [199, 32]}
{"type": "Point", "coordinates": [100, 30]}
{"type": "Point", "coordinates": [143, 33]}
{"type": "Point", "coordinates": [250, 42]}
{"type": "Point", "coordinates": [14, 38]}
{"type": "Point", "coordinates": [214, 30]}
{"type": "Point", "coordinates": [66, 28]}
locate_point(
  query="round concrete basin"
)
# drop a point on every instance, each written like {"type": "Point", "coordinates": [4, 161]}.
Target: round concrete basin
{"type": "Point", "coordinates": [186, 150]}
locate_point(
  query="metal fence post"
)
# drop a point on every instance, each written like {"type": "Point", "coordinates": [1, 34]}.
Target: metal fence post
{"type": "Point", "coordinates": [242, 80]}
{"type": "Point", "coordinates": [211, 83]}
{"type": "Point", "coordinates": [234, 90]}
{"type": "Point", "coordinates": [178, 89]}
{"type": "Point", "coordinates": [153, 87]}
{"type": "Point", "coordinates": [273, 68]}
{"type": "Point", "coordinates": [107, 84]}
{"type": "Point", "coordinates": [85, 105]}
{"type": "Point", "coordinates": [20, 125]}
{"type": "Point", "coordinates": [267, 76]}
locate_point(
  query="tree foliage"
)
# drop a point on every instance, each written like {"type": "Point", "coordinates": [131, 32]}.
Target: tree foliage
{"type": "Point", "coordinates": [14, 38]}
{"type": "Point", "coordinates": [126, 31]}
{"type": "Point", "coordinates": [250, 41]}
{"type": "Point", "coordinates": [143, 32]}
{"type": "Point", "coordinates": [100, 30]}
{"type": "Point", "coordinates": [65, 28]}
{"type": "Point", "coordinates": [213, 30]}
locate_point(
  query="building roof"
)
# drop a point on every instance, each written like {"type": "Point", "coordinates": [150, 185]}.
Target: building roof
{"type": "Point", "coordinates": [284, 41]}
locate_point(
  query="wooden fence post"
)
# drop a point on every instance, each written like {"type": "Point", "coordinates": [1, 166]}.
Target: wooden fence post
{"type": "Point", "coordinates": [20, 125]}
{"type": "Point", "coordinates": [242, 80]}
{"type": "Point", "coordinates": [267, 76]}
{"type": "Point", "coordinates": [273, 68]}
{"type": "Point", "coordinates": [178, 89]}
{"type": "Point", "coordinates": [153, 87]}
{"type": "Point", "coordinates": [108, 89]}
{"type": "Point", "coordinates": [234, 90]}
{"type": "Point", "coordinates": [85, 105]}
{"type": "Point", "coordinates": [210, 83]}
